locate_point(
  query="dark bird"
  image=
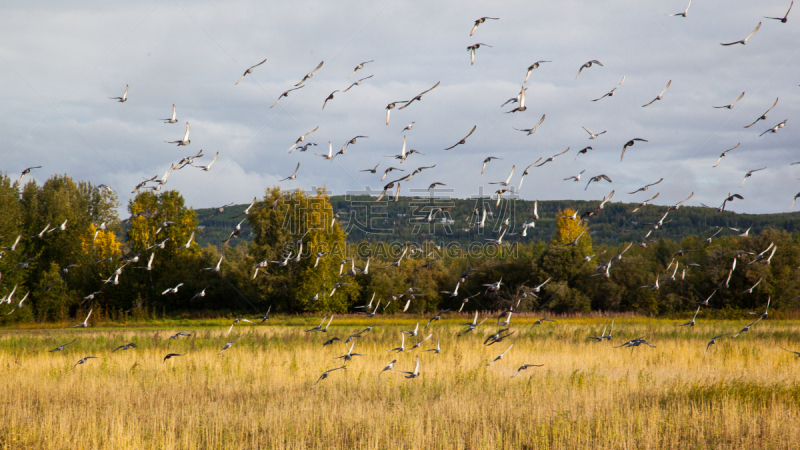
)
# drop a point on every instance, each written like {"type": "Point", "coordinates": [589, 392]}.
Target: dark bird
{"type": "Point", "coordinates": [785, 16]}
{"type": "Point", "coordinates": [587, 65]}
{"type": "Point", "coordinates": [463, 141]}
{"type": "Point", "coordinates": [481, 20]}
{"type": "Point", "coordinates": [628, 144]}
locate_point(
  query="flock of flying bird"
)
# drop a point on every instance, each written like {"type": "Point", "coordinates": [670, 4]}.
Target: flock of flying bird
{"type": "Point", "coordinates": [302, 144]}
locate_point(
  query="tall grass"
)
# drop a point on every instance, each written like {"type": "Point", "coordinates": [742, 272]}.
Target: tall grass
{"type": "Point", "coordinates": [743, 393]}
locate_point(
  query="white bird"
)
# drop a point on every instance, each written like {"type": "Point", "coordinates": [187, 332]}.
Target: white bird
{"type": "Point", "coordinates": [389, 367]}
{"type": "Point", "coordinates": [216, 268]}
{"type": "Point", "coordinates": [685, 11]}
{"type": "Point", "coordinates": [185, 140]}
{"type": "Point", "coordinates": [508, 180]}
{"type": "Point", "coordinates": [526, 172]}
{"type": "Point", "coordinates": [730, 106]}
{"type": "Point", "coordinates": [611, 92]}
{"type": "Point", "coordinates": [763, 116]}
{"type": "Point", "coordinates": [530, 131]}
{"type": "Point", "coordinates": [310, 74]}
{"type": "Point", "coordinates": [415, 373]}
{"type": "Point", "coordinates": [531, 68]}
{"type": "Point", "coordinates": [301, 139]}
{"type": "Point", "coordinates": [725, 153]}
{"type": "Point", "coordinates": [660, 96]}
{"type": "Point", "coordinates": [293, 175]}
{"type": "Point", "coordinates": [241, 320]}
{"type": "Point", "coordinates": [592, 135]}
{"type": "Point", "coordinates": [124, 97]}
{"type": "Point", "coordinates": [172, 119]}
{"type": "Point", "coordinates": [330, 155]}
{"type": "Point", "coordinates": [500, 356]}
{"type": "Point", "coordinates": [250, 70]}
{"type": "Point", "coordinates": [188, 243]}
{"type": "Point", "coordinates": [172, 290]}
{"type": "Point", "coordinates": [208, 167]}
{"type": "Point", "coordinates": [744, 41]}
{"type": "Point", "coordinates": [85, 323]}
{"type": "Point", "coordinates": [359, 67]}
{"type": "Point", "coordinates": [228, 345]}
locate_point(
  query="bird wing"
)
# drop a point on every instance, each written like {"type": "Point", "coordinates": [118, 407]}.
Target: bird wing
{"type": "Point", "coordinates": [749, 35]}
{"type": "Point", "coordinates": [186, 135]}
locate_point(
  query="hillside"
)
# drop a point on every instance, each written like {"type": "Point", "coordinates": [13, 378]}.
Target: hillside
{"type": "Point", "coordinates": [364, 219]}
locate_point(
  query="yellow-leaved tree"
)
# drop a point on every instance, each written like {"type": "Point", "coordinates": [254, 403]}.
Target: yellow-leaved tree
{"type": "Point", "coordinates": [570, 228]}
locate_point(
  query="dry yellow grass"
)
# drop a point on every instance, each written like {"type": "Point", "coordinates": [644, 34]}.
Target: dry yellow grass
{"type": "Point", "coordinates": [743, 394]}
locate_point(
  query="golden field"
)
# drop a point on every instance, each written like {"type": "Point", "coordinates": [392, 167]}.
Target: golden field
{"type": "Point", "coordinates": [743, 393]}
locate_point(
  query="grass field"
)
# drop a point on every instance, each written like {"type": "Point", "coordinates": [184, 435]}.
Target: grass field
{"type": "Point", "coordinates": [743, 393]}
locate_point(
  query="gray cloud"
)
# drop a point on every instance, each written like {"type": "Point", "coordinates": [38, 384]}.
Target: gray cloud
{"type": "Point", "coordinates": [191, 54]}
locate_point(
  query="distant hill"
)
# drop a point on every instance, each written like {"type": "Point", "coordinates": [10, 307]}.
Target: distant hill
{"type": "Point", "coordinates": [364, 219]}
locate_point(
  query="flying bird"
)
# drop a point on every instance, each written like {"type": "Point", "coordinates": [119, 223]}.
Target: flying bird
{"type": "Point", "coordinates": [417, 98]}
{"type": "Point", "coordinates": [527, 172]}
{"type": "Point", "coordinates": [185, 140]}
{"type": "Point", "coordinates": [463, 141]}
{"type": "Point", "coordinates": [725, 153]}
{"type": "Point", "coordinates": [250, 70]}
{"type": "Point", "coordinates": [85, 323]}
{"type": "Point", "coordinates": [286, 94]}
{"type": "Point", "coordinates": [122, 99]}
{"type": "Point", "coordinates": [730, 106]}
{"type": "Point", "coordinates": [357, 83]}
{"type": "Point", "coordinates": [359, 67]}
{"type": "Point", "coordinates": [293, 175]}
{"type": "Point", "coordinates": [208, 167]}
{"type": "Point", "coordinates": [172, 119]}
{"type": "Point", "coordinates": [660, 96]}
{"type": "Point", "coordinates": [530, 131]}
{"type": "Point", "coordinates": [480, 21]}
{"type": "Point", "coordinates": [763, 116]}
{"type": "Point", "coordinates": [611, 92]}
{"type": "Point", "coordinates": [84, 360]}
{"type": "Point", "coordinates": [774, 129]}
{"type": "Point", "coordinates": [644, 188]}
{"type": "Point", "coordinates": [749, 174]}
{"type": "Point", "coordinates": [521, 102]}
{"type": "Point", "coordinates": [597, 179]}
{"type": "Point", "coordinates": [301, 139]}
{"type": "Point", "coordinates": [310, 74]}
{"type": "Point", "coordinates": [685, 11]}
{"type": "Point", "coordinates": [592, 135]}
{"type": "Point", "coordinates": [325, 375]}
{"type": "Point", "coordinates": [552, 158]}
{"type": "Point", "coordinates": [330, 97]}
{"type": "Point", "coordinates": [744, 41]}
{"type": "Point", "coordinates": [628, 144]}
{"type": "Point", "coordinates": [587, 65]}
{"type": "Point", "coordinates": [531, 68]}
{"type": "Point", "coordinates": [575, 177]}
{"type": "Point", "coordinates": [61, 347]}
{"type": "Point", "coordinates": [500, 356]}
{"type": "Point", "coordinates": [486, 161]}
{"type": "Point", "coordinates": [415, 373]}
{"type": "Point", "coordinates": [785, 16]}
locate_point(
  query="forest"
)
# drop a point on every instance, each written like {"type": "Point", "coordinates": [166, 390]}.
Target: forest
{"type": "Point", "coordinates": [65, 251]}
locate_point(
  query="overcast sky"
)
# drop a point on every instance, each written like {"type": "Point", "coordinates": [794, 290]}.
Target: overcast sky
{"type": "Point", "coordinates": [60, 61]}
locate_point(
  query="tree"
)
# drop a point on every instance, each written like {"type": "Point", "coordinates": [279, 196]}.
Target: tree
{"type": "Point", "coordinates": [569, 229]}
{"type": "Point", "coordinates": [288, 224]}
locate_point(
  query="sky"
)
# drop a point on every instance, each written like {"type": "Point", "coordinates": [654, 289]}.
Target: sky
{"type": "Point", "coordinates": [60, 62]}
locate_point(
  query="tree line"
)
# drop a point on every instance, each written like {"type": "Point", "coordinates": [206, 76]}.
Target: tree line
{"type": "Point", "coordinates": [65, 247]}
